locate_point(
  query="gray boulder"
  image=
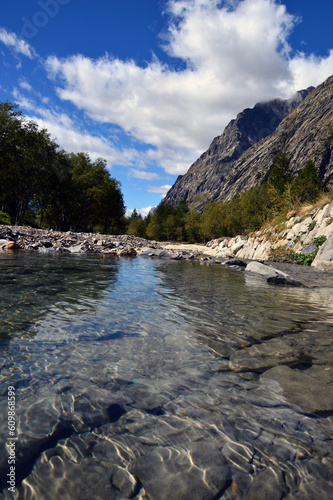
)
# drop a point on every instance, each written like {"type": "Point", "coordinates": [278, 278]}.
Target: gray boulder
{"type": "Point", "coordinates": [263, 270]}
{"type": "Point", "coordinates": [156, 252]}
{"type": "Point", "coordinates": [277, 351]}
{"type": "Point", "coordinates": [324, 257]}
{"type": "Point", "coordinates": [310, 394]}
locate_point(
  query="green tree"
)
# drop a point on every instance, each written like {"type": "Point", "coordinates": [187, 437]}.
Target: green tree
{"type": "Point", "coordinates": [279, 175]}
{"type": "Point", "coordinates": [193, 226]}
{"type": "Point", "coordinates": [27, 156]}
{"type": "Point", "coordinates": [136, 225]}
{"type": "Point", "coordinates": [65, 189]}
{"type": "Point", "coordinates": [307, 186]}
{"type": "Point", "coordinates": [213, 220]}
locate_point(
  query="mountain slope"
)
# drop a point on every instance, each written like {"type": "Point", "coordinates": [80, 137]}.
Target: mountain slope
{"type": "Point", "coordinates": [238, 160]}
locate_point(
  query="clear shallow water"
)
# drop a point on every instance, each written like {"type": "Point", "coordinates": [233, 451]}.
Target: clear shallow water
{"type": "Point", "coordinates": [123, 388]}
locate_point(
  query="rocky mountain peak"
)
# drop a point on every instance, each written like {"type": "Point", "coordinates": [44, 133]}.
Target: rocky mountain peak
{"type": "Point", "coordinates": [212, 176]}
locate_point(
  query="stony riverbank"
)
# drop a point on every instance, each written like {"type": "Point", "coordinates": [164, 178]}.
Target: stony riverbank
{"type": "Point", "coordinates": [244, 254]}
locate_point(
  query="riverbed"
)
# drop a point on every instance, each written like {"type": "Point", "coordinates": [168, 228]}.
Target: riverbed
{"type": "Point", "coordinates": [130, 379]}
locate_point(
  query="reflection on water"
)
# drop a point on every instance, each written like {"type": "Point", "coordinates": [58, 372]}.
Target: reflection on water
{"type": "Point", "coordinates": [33, 285]}
{"type": "Point", "coordinates": [123, 386]}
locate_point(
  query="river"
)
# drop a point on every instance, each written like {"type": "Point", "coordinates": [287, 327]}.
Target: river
{"type": "Point", "coordinates": [121, 378]}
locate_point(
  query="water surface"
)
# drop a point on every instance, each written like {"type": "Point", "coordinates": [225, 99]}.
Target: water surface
{"type": "Point", "coordinates": [123, 386]}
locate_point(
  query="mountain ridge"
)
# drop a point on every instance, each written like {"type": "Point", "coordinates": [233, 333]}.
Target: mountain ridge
{"type": "Point", "coordinates": [240, 158]}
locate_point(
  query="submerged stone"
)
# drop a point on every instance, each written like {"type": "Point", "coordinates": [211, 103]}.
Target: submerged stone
{"type": "Point", "coordinates": [311, 395]}
{"type": "Point", "coordinates": [273, 352]}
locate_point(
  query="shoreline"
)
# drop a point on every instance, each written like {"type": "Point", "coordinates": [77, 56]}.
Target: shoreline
{"type": "Point", "coordinates": [50, 241]}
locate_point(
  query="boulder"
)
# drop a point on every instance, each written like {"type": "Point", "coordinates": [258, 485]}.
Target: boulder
{"type": "Point", "coordinates": [155, 252]}
{"type": "Point", "coordinates": [263, 270]}
{"type": "Point", "coordinates": [273, 352]}
{"type": "Point", "coordinates": [235, 262]}
{"type": "Point", "coordinates": [308, 249]}
{"type": "Point", "coordinates": [283, 281]}
{"type": "Point", "coordinates": [10, 245]}
{"type": "Point", "coordinates": [127, 252]}
{"type": "Point", "coordinates": [324, 257]}
{"type": "Point", "coordinates": [298, 388]}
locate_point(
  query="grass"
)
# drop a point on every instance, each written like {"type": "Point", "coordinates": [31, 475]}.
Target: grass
{"type": "Point", "coordinates": [324, 199]}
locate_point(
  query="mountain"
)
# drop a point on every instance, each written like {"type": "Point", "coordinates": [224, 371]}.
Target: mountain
{"type": "Point", "coordinates": [241, 157]}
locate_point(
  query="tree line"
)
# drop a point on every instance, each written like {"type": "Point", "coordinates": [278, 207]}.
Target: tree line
{"type": "Point", "coordinates": [280, 193]}
{"type": "Point", "coordinates": [43, 186]}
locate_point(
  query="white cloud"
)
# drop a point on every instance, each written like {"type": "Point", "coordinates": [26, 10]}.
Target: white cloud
{"type": "Point", "coordinates": [310, 69]}
{"type": "Point", "coordinates": [143, 211]}
{"type": "Point", "coordinates": [17, 44]}
{"type": "Point", "coordinates": [233, 53]}
{"type": "Point", "coordinates": [159, 189]}
{"type": "Point", "coordinates": [25, 85]}
{"type": "Point", "coordinates": [74, 140]}
{"type": "Point", "coordinates": [141, 174]}
{"type": "Point", "coordinates": [68, 135]}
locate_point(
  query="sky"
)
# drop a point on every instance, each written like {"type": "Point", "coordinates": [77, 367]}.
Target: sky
{"type": "Point", "coordinates": [148, 84]}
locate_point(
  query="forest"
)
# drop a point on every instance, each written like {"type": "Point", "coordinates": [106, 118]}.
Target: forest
{"type": "Point", "coordinates": [43, 186]}
{"type": "Point", "coordinates": [247, 212]}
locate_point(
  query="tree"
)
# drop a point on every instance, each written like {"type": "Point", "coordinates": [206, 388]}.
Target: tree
{"type": "Point", "coordinates": [26, 160]}
{"type": "Point", "coordinates": [193, 226]}
{"type": "Point", "coordinates": [64, 189]}
{"type": "Point", "coordinates": [136, 225]}
{"type": "Point", "coordinates": [97, 199]}
{"type": "Point", "coordinates": [307, 185]}
{"type": "Point", "coordinates": [279, 175]}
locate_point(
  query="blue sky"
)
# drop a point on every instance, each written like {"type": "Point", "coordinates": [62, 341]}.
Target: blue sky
{"type": "Point", "coordinates": [147, 84]}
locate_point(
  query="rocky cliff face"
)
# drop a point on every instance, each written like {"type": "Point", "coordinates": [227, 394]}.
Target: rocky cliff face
{"type": "Point", "coordinates": [241, 157]}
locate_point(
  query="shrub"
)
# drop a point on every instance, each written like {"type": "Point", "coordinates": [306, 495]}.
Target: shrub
{"type": "Point", "coordinates": [304, 259]}
{"type": "Point", "coordinates": [4, 218]}
{"type": "Point", "coordinates": [319, 241]}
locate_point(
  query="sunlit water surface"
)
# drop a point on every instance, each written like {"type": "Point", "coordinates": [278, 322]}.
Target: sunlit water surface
{"type": "Point", "coordinates": [123, 388]}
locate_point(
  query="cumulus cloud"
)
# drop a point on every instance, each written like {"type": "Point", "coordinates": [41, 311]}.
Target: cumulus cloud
{"type": "Point", "coordinates": [17, 44]}
{"type": "Point", "coordinates": [159, 189]}
{"type": "Point", "coordinates": [70, 137]}
{"type": "Point", "coordinates": [142, 174]}
{"type": "Point", "coordinates": [145, 211]}
{"type": "Point", "coordinates": [233, 54]}
{"type": "Point", "coordinates": [142, 211]}
{"type": "Point", "coordinates": [310, 69]}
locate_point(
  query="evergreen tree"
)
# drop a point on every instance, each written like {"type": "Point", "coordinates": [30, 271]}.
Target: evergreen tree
{"type": "Point", "coordinates": [307, 186]}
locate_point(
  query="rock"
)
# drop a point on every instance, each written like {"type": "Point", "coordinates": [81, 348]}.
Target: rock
{"type": "Point", "coordinates": [47, 244]}
{"type": "Point", "coordinates": [308, 249]}
{"type": "Point", "coordinates": [313, 396]}
{"type": "Point", "coordinates": [283, 281]}
{"type": "Point", "coordinates": [273, 352]}
{"type": "Point", "coordinates": [240, 455]}
{"type": "Point", "coordinates": [324, 257]}
{"type": "Point", "coordinates": [156, 252]}
{"type": "Point", "coordinates": [263, 270]}
{"type": "Point", "coordinates": [128, 252]}
{"type": "Point", "coordinates": [237, 246]}
{"type": "Point", "coordinates": [77, 249]}
{"type": "Point", "coordinates": [11, 245]}
{"type": "Point", "coordinates": [238, 263]}
{"type": "Point", "coordinates": [171, 474]}
{"type": "Point", "coordinates": [268, 485]}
